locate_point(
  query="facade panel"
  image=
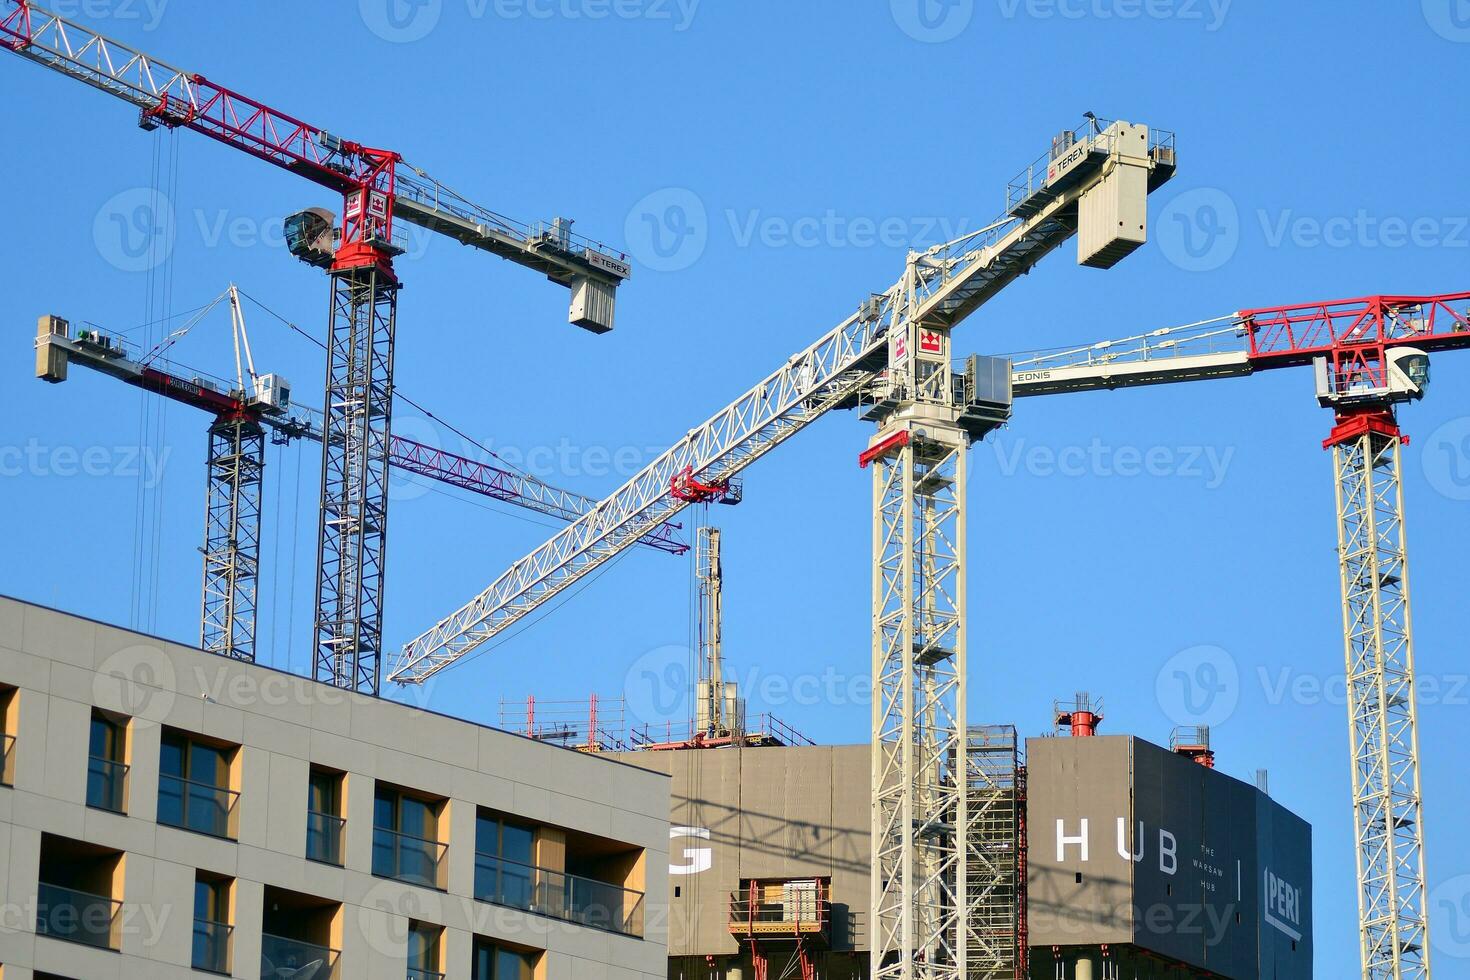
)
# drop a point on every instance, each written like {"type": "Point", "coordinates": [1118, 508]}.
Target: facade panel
{"type": "Point", "coordinates": [243, 824]}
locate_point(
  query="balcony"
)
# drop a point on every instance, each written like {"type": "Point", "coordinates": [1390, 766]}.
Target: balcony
{"type": "Point", "coordinates": [418, 973]}
{"type": "Point", "coordinates": [799, 908]}
{"type": "Point", "coordinates": [106, 783]}
{"type": "Point", "coordinates": [282, 957]}
{"type": "Point", "coordinates": [201, 807]}
{"type": "Point", "coordinates": [408, 858]}
{"type": "Point", "coordinates": [212, 946]}
{"type": "Point", "coordinates": [7, 760]}
{"type": "Point", "coordinates": [324, 837]}
{"type": "Point", "coordinates": [77, 916]}
{"type": "Point", "coordinates": [584, 901]}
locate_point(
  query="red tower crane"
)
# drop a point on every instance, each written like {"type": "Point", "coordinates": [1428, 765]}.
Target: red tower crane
{"type": "Point", "coordinates": [377, 187]}
{"type": "Point", "coordinates": [1369, 356]}
{"type": "Point", "coordinates": [243, 410]}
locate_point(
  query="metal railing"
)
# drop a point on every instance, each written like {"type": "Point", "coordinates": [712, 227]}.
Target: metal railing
{"type": "Point", "coordinates": [7, 754]}
{"type": "Point", "coordinates": [1093, 136]}
{"type": "Point", "coordinates": [201, 807]}
{"type": "Point", "coordinates": [773, 908]}
{"type": "Point", "coordinates": [282, 957]}
{"type": "Point", "coordinates": [420, 973]}
{"type": "Point", "coordinates": [324, 837]}
{"type": "Point", "coordinates": [77, 916]}
{"type": "Point", "coordinates": [106, 783]}
{"type": "Point", "coordinates": [571, 898]}
{"type": "Point", "coordinates": [212, 946]}
{"type": "Point", "coordinates": [408, 858]}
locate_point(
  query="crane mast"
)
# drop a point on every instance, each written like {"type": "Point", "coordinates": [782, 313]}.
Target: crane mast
{"type": "Point", "coordinates": [1368, 356]}
{"type": "Point", "coordinates": [242, 413]}
{"type": "Point", "coordinates": [376, 186]}
{"type": "Point", "coordinates": [718, 709]}
{"type": "Point", "coordinates": [897, 347]}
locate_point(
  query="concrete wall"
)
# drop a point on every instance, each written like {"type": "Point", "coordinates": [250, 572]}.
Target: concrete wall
{"type": "Point", "coordinates": [1130, 843]}
{"type": "Point", "coordinates": [764, 813]}
{"type": "Point", "coordinates": [64, 665]}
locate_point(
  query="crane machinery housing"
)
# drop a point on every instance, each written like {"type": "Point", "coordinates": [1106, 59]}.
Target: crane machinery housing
{"type": "Point", "coordinates": [243, 410]}
{"type": "Point", "coordinates": [1093, 182]}
{"type": "Point", "coordinates": [377, 187]}
{"type": "Point", "coordinates": [1368, 356]}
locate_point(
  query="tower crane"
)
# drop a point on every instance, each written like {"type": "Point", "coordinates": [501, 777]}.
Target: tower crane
{"type": "Point", "coordinates": [1093, 182]}
{"type": "Point", "coordinates": [1368, 355]}
{"type": "Point", "coordinates": [377, 187]}
{"type": "Point", "coordinates": [242, 412]}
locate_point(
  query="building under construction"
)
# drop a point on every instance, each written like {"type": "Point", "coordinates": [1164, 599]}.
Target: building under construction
{"type": "Point", "coordinates": [943, 849]}
{"type": "Point", "coordinates": [1097, 857]}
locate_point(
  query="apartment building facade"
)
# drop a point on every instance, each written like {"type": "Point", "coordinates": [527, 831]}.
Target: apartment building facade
{"type": "Point", "coordinates": [166, 813]}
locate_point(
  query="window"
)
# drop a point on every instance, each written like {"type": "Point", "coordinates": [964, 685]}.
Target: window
{"type": "Point", "coordinates": [504, 862]}
{"type": "Point", "coordinates": [9, 705]}
{"type": "Point", "coordinates": [423, 951]}
{"type": "Point", "coordinates": [495, 962]}
{"type": "Point", "coordinates": [406, 838]}
{"type": "Point", "coordinates": [324, 823]}
{"type": "Point", "coordinates": [107, 769]}
{"type": "Point", "coordinates": [212, 929]}
{"type": "Point", "coordinates": [296, 935]}
{"type": "Point", "coordinates": [79, 894]}
{"type": "Point", "coordinates": [194, 785]}
{"type": "Point", "coordinates": [575, 877]}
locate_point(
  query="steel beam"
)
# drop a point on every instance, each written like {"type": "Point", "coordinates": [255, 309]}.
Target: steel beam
{"type": "Point", "coordinates": [354, 498]}
{"type": "Point", "coordinates": [235, 464]}
{"type": "Point", "coordinates": [920, 796]}
{"type": "Point", "coordinates": [1382, 717]}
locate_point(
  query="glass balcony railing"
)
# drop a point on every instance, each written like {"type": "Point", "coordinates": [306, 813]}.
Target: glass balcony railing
{"type": "Point", "coordinates": [77, 916]}
{"type": "Point", "coordinates": [282, 957]}
{"type": "Point", "coordinates": [201, 807]}
{"type": "Point", "coordinates": [324, 837]}
{"type": "Point", "coordinates": [408, 858]}
{"type": "Point", "coordinates": [212, 946]}
{"type": "Point", "coordinates": [562, 896]}
{"type": "Point", "coordinates": [7, 760]}
{"type": "Point", "coordinates": [106, 781]}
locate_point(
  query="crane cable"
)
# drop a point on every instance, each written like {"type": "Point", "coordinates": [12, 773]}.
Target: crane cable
{"type": "Point", "coordinates": [398, 393]}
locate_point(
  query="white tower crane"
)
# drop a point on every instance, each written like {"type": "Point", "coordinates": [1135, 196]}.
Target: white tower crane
{"type": "Point", "coordinates": [1093, 182]}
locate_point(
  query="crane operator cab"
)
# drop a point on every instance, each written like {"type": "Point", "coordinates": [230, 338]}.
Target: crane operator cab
{"type": "Point", "coordinates": [1406, 375]}
{"type": "Point", "coordinates": [311, 236]}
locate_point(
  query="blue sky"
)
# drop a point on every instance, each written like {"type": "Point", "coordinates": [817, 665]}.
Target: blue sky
{"type": "Point", "coordinates": [767, 164]}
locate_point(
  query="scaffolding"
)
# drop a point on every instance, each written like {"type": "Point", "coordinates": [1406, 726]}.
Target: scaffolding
{"type": "Point", "coordinates": [995, 926]}
{"type": "Point", "coordinates": [594, 725]}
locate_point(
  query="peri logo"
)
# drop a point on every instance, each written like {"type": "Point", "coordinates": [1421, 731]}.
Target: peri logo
{"type": "Point", "coordinates": [1282, 905]}
{"type": "Point", "coordinates": [1199, 686]}
{"type": "Point", "coordinates": [668, 230]}
{"type": "Point", "coordinates": [932, 21]}
{"type": "Point", "coordinates": [1199, 231]}
{"type": "Point", "coordinates": [135, 230]}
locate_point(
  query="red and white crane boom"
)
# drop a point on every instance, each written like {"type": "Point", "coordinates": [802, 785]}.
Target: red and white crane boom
{"type": "Point", "coordinates": [1368, 355]}
{"type": "Point", "coordinates": [376, 186]}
